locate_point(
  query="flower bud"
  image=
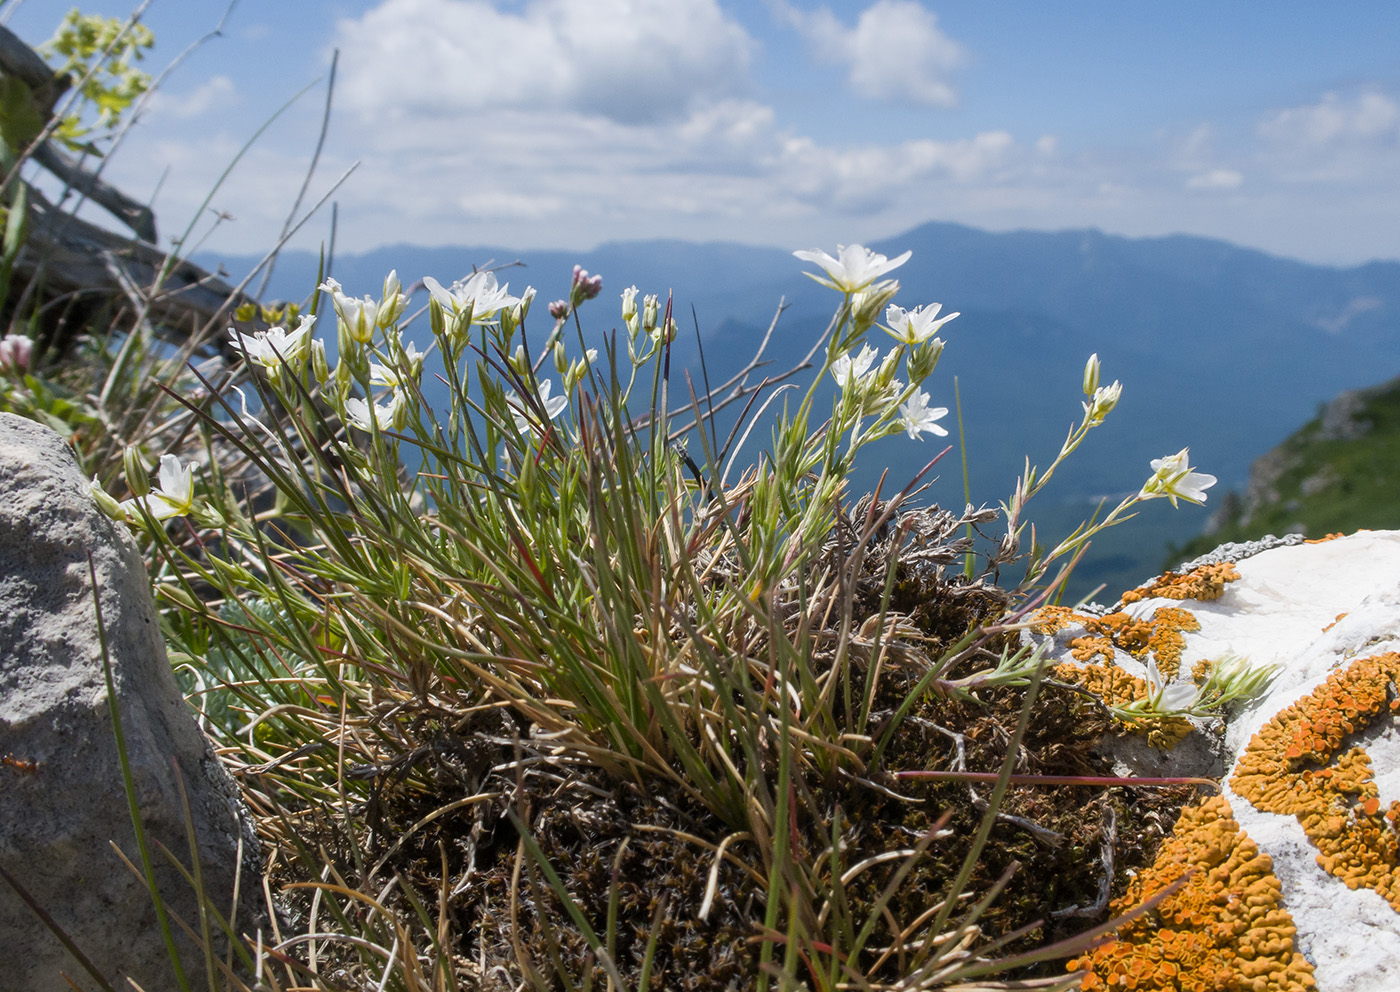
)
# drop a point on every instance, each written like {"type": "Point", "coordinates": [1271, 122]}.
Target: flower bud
{"type": "Point", "coordinates": [138, 479]}
{"type": "Point", "coordinates": [320, 368]}
{"type": "Point", "coordinates": [437, 320]}
{"type": "Point", "coordinates": [344, 342]}
{"type": "Point", "coordinates": [392, 303]}
{"type": "Point", "coordinates": [1091, 374]}
{"type": "Point", "coordinates": [651, 308]}
{"type": "Point", "coordinates": [522, 309]}
{"type": "Point", "coordinates": [519, 362]}
{"type": "Point", "coordinates": [344, 379]}
{"type": "Point", "coordinates": [868, 304]}
{"type": "Point", "coordinates": [400, 411]}
{"type": "Point", "coordinates": [923, 359]}
{"type": "Point", "coordinates": [559, 309]}
{"type": "Point", "coordinates": [105, 502]}
{"type": "Point", "coordinates": [16, 353]}
{"type": "Point", "coordinates": [561, 361]}
{"type": "Point", "coordinates": [508, 325]}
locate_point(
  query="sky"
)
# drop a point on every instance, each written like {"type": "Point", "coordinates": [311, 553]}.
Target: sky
{"type": "Point", "coordinates": [561, 124]}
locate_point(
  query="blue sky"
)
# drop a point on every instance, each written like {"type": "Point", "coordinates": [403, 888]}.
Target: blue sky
{"type": "Point", "coordinates": [563, 123]}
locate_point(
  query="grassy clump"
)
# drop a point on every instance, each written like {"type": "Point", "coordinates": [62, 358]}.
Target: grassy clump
{"type": "Point", "coordinates": [524, 686]}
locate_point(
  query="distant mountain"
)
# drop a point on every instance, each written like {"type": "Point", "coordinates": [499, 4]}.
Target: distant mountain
{"type": "Point", "coordinates": [1221, 348]}
{"type": "Point", "coordinates": [1338, 473]}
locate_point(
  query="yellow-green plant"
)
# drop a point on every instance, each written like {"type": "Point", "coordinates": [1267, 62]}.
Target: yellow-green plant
{"type": "Point", "coordinates": [100, 55]}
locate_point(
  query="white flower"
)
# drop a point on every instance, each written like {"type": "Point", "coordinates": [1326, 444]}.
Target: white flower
{"type": "Point", "coordinates": [848, 371]}
{"type": "Point", "coordinates": [855, 267]}
{"type": "Point", "coordinates": [277, 346]}
{"type": "Point", "coordinates": [918, 417]}
{"type": "Point", "coordinates": [553, 406]}
{"type": "Point", "coordinates": [1172, 477]}
{"type": "Point", "coordinates": [383, 375]}
{"type": "Point", "coordinates": [1104, 400]}
{"type": "Point", "coordinates": [174, 496]}
{"type": "Point", "coordinates": [357, 316]}
{"type": "Point", "coordinates": [478, 294]}
{"type": "Point", "coordinates": [1168, 699]}
{"type": "Point", "coordinates": [360, 412]}
{"type": "Point", "coordinates": [915, 326]}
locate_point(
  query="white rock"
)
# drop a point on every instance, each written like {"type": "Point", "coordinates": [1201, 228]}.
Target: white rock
{"type": "Point", "coordinates": [1284, 610]}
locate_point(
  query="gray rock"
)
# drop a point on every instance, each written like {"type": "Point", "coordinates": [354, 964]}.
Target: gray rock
{"type": "Point", "coordinates": [60, 815]}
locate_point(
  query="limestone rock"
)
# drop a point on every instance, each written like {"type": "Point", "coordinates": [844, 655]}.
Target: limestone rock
{"type": "Point", "coordinates": [63, 804]}
{"type": "Point", "coordinates": [1311, 769]}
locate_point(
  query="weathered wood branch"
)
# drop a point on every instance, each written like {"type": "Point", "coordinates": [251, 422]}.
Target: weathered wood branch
{"type": "Point", "coordinates": [73, 266]}
{"type": "Point", "coordinates": [78, 262]}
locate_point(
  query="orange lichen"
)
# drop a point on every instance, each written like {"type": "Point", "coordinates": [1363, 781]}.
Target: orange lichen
{"type": "Point", "coordinates": [1053, 619]}
{"type": "Point", "coordinates": [1293, 765]}
{"type": "Point", "coordinates": [1206, 582]}
{"type": "Point", "coordinates": [1117, 688]}
{"type": "Point", "coordinates": [1103, 637]}
{"type": "Point", "coordinates": [1336, 620]}
{"type": "Point", "coordinates": [1161, 635]}
{"type": "Point", "coordinates": [1327, 537]}
{"type": "Point", "coordinates": [1224, 930]}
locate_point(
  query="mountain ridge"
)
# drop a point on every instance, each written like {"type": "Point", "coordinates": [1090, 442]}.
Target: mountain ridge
{"type": "Point", "coordinates": [1222, 348]}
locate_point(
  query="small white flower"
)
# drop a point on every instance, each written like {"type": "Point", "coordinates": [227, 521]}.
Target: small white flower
{"type": "Point", "coordinates": [919, 417]}
{"type": "Point", "coordinates": [174, 496]}
{"type": "Point", "coordinates": [524, 419]}
{"type": "Point", "coordinates": [848, 371]}
{"type": "Point", "coordinates": [478, 293]}
{"type": "Point", "coordinates": [383, 375]}
{"type": "Point", "coordinates": [360, 412]}
{"type": "Point", "coordinates": [357, 316]}
{"type": "Point", "coordinates": [1172, 477]}
{"type": "Point", "coordinates": [1105, 398]}
{"type": "Point", "coordinates": [277, 346]}
{"type": "Point", "coordinates": [915, 326]}
{"type": "Point", "coordinates": [1168, 698]}
{"type": "Point", "coordinates": [854, 268]}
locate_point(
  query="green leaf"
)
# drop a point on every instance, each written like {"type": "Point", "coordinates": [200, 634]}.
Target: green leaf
{"type": "Point", "coordinates": [20, 119]}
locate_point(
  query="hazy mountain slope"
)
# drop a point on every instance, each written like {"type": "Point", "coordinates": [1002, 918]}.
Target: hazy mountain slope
{"type": "Point", "coordinates": [1221, 348]}
{"type": "Point", "coordinates": [1338, 473]}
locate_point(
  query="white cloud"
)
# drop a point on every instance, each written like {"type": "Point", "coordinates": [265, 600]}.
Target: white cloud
{"type": "Point", "coordinates": [1342, 141]}
{"type": "Point", "coordinates": [634, 61]}
{"type": "Point", "coordinates": [895, 51]}
{"type": "Point", "coordinates": [217, 91]}
{"type": "Point", "coordinates": [1369, 116]}
{"type": "Point", "coordinates": [1216, 179]}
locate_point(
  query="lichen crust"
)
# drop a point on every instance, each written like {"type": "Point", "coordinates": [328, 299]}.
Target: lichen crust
{"type": "Point", "coordinates": [1297, 764]}
{"type": "Point", "coordinates": [1224, 930]}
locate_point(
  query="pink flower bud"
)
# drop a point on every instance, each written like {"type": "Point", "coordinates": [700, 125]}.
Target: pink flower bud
{"type": "Point", "coordinates": [16, 353]}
